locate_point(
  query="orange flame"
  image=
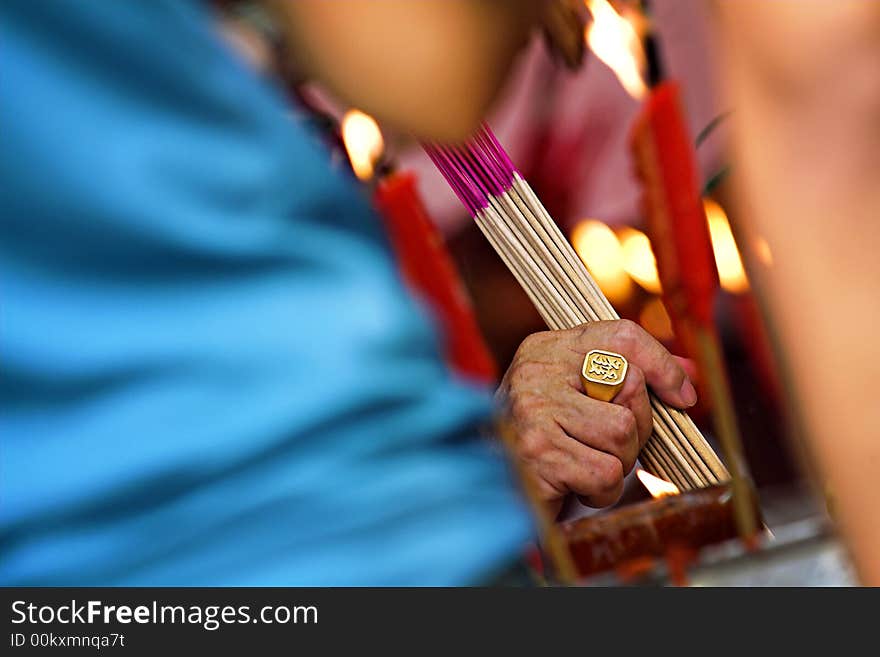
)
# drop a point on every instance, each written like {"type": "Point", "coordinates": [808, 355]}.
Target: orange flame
{"type": "Point", "coordinates": [638, 259]}
{"type": "Point", "coordinates": [615, 41]}
{"type": "Point", "coordinates": [363, 141]}
{"type": "Point", "coordinates": [727, 259]}
{"type": "Point", "coordinates": [599, 248]}
{"type": "Point", "coordinates": [656, 486]}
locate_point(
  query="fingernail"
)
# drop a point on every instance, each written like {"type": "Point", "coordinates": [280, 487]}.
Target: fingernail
{"type": "Point", "coordinates": [687, 393]}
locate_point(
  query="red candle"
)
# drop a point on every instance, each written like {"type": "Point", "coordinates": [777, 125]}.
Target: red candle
{"type": "Point", "coordinates": [665, 163]}
{"type": "Point", "coordinates": [428, 269]}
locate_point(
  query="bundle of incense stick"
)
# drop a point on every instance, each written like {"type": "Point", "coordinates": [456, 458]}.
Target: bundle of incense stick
{"type": "Point", "coordinates": [543, 261]}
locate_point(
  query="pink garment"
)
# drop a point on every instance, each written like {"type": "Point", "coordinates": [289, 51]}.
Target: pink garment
{"type": "Point", "coordinates": [568, 132]}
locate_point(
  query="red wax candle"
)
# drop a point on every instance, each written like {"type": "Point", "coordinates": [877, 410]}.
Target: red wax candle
{"type": "Point", "coordinates": [665, 162]}
{"type": "Point", "coordinates": [428, 269]}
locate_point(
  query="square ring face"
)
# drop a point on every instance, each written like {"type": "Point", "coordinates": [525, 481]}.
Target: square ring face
{"type": "Point", "coordinates": [604, 367]}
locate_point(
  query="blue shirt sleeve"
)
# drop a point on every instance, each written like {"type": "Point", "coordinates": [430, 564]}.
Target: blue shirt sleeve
{"type": "Point", "coordinates": [210, 373]}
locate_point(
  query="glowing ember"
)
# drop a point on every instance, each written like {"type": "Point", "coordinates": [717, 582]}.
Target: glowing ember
{"type": "Point", "coordinates": [638, 259]}
{"type": "Point", "coordinates": [614, 40]}
{"type": "Point", "coordinates": [599, 248]}
{"type": "Point", "coordinates": [656, 486]}
{"type": "Point", "coordinates": [727, 258]}
{"type": "Point", "coordinates": [363, 141]}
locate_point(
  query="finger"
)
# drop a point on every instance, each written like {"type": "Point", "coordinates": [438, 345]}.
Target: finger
{"type": "Point", "coordinates": [662, 372]}
{"type": "Point", "coordinates": [548, 350]}
{"type": "Point", "coordinates": [594, 476]}
{"type": "Point", "coordinates": [559, 464]}
{"type": "Point", "coordinates": [634, 396]}
{"type": "Point", "coordinates": [689, 367]}
{"type": "Point", "coordinates": [609, 428]}
{"type": "Point", "coordinates": [597, 479]}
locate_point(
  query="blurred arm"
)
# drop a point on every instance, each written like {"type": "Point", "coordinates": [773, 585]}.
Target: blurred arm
{"type": "Point", "coordinates": [804, 81]}
{"type": "Point", "coordinates": [429, 67]}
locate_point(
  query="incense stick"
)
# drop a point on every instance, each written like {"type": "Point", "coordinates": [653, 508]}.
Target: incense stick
{"type": "Point", "coordinates": [529, 242]}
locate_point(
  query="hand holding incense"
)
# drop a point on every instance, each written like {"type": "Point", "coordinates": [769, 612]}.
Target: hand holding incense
{"type": "Point", "coordinates": [544, 263]}
{"type": "Point", "coordinates": [581, 446]}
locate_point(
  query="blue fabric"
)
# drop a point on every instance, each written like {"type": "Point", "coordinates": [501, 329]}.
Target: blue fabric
{"type": "Point", "coordinates": [210, 373]}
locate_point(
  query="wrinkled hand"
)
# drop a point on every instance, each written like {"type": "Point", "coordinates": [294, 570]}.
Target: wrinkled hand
{"type": "Point", "coordinates": [568, 442]}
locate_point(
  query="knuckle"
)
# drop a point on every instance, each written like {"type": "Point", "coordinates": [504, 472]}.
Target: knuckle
{"type": "Point", "coordinates": [628, 331]}
{"type": "Point", "coordinates": [533, 445]}
{"type": "Point", "coordinates": [609, 475]}
{"type": "Point", "coordinates": [533, 341]}
{"type": "Point", "coordinates": [528, 370]}
{"type": "Point", "coordinates": [638, 377]}
{"type": "Point", "coordinates": [673, 374]}
{"type": "Point", "coordinates": [583, 333]}
{"type": "Point", "coordinates": [524, 404]}
{"type": "Point", "coordinates": [624, 425]}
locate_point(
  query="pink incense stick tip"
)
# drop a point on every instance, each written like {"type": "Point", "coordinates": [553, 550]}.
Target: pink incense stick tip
{"type": "Point", "coordinates": [485, 133]}
{"type": "Point", "coordinates": [476, 170]}
{"type": "Point", "coordinates": [487, 169]}
{"type": "Point", "coordinates": [471, 197]}
{"type": "Point", "coordinates": [474, 166]}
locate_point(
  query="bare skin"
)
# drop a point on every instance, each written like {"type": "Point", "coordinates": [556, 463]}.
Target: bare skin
{"type": "Point", "coordinates": [804, 81]}
{"type": "Point", "coordinates": [572, 444]}
{"type": "Point", "coordinates": [427, 68]}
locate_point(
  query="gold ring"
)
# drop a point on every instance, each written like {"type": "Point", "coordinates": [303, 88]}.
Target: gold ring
{"type": "Point", "coordinates": [602, 374]}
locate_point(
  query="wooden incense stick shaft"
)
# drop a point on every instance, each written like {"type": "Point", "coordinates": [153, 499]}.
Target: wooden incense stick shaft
{"type": "Point", "coordinates": [728, 433]}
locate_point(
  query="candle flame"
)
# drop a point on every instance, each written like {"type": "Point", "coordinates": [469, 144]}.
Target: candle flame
{"type": "Point", "coordinates": [599, 248]}
{"type": "Point", "coordinates": [638, 259]}
{"type": "Point", "coordinates": [656, 486]}
{"type": "Point", "coordinates": [727, 259]}
{"type": "Point", "coordinates": [363, 141]}
{"type": "Point", "coordinates": [615, 41]}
